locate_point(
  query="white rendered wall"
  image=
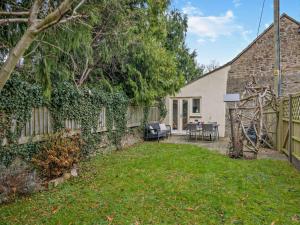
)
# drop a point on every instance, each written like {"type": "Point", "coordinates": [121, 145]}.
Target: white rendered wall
{"type": "Point", "coordinates": [211, 89]}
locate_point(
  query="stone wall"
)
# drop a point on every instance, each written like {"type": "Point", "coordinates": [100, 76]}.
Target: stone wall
{"type": "Point", "coordinates": [258, 61]}
{"type": "Point", "coordinates": [20, 178]}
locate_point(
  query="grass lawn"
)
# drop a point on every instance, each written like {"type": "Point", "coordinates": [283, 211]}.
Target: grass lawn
{"type": "Point", "coordinates": [167, 184]}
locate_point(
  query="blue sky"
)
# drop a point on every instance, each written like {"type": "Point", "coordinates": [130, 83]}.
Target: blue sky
{"type": "Point", "coordinates": [220, 29]}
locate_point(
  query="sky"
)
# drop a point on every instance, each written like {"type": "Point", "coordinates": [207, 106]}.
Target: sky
{"type": "Point", "coordinates": [220, 29]}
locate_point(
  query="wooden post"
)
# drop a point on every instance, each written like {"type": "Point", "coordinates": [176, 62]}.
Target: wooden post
{"type": "Point", "coordinates": [231, 129]}
{"type": "Point", "coordinates": [290, 128]}
{"type": "Point", "coordinates": [280, 125]}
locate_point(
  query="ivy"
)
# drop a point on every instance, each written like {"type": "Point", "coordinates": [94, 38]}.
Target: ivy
{"type": "Point", "coordinates": [67, 102]}
{"type": "Point", "coordinates": [16, 101]}
{"type": "Point", "coordinates": [64, 104]}
{"type": "Point", "coordinates": [163, 111]}
{"type": "Point", "coordinates": [9, 152]}
{"type": "Point", "coordinates": [124, 49]}
{"type": "Point", "coordinates": [116, 117]}
{"type": "Point", "coordinates": [84, 106]}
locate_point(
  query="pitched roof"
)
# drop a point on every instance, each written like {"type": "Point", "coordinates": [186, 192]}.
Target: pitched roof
{"type": "Point", "coordinates": [284, 15]}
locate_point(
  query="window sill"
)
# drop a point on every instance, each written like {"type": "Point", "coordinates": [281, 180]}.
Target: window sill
{"type": "Point", "coordinates": [194, 115]}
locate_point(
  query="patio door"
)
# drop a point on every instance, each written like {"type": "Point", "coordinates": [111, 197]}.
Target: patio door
{"type": "Point", "coordinates": [185, 113]}
{"type": "Point", "coordinates": [175, 121]}
{"type": "Point", "coordinates": [180, 115]}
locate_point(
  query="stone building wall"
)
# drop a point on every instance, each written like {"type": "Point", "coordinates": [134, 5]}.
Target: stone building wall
{"type": "Point", "coordinates": [258, 61]}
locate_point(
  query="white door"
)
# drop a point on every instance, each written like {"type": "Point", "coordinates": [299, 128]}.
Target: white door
{"type": "Point", "coordinates": [180, 115]}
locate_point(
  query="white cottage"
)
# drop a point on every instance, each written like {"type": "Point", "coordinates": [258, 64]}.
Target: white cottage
{"type": "Point", "coordinates": [199, 100]}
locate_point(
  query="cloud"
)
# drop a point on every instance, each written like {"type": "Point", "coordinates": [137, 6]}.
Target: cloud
{"type": "Point", "coordinates": [201, 41]}
{"type": "Point", "coordinates": [212, 27]}
{"type": "Point", "coordinates": [237, 3]}
{"type": "Point", "coordinates": [191, 10]}
{"type": "Point", "coordinates": [215, 36]}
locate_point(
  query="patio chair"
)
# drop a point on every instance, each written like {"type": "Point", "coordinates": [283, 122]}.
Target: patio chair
{"type": "Point", "coordinates": [192, 131]}
{"type": "Point", "coordinates": [209, 131]}
{"type": "Point", "coordinates": [216, 126]}
{"type": "Point", "coordinates": [155, 131]}
{"type": "Point", "coordinates": [166, 128]}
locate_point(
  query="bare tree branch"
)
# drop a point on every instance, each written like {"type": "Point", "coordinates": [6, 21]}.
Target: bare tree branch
{"type": "Point", "coordinates": [55, 16]}
{"type": "Point", "coordinates": [25, 13]}
{"type": "Point", "coordinates": [13, 20]}
{"type": "Point", "coordinates": [34, 11]}
{"type": "Point", "coordinates": [14, 56]}
{"type": "Point", "coordinates": [71, 18]}
{"type": "Point", "coordinates": [78, 6]}
{"type": "Point", "coordinates": [85, 73]}
{"type": "Point", "coordinates": [26, 20]}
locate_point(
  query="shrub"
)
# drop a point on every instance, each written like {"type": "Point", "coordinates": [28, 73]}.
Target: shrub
{"type": "Point", "coordinates": [58, 154]}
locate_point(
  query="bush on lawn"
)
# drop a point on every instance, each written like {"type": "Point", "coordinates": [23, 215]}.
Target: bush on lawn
{"type": "Point", "coordinates": [58, 154]}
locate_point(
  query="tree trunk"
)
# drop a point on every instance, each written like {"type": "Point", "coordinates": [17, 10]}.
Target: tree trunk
{"type": "Point", "coordinates": [15, 54]}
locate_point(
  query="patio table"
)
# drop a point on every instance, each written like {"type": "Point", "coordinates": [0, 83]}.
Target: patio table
{"type": "Point", "coordinates": [215, 130]}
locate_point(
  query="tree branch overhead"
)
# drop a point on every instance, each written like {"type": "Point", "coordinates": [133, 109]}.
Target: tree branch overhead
{"type": "Point", "coordinates": [35, 26]}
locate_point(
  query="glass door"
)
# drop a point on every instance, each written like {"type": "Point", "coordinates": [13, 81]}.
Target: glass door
{"type": "Point", "coordinates": [185, 113]}
{"type": "Point", "coordinates": [175, 115]}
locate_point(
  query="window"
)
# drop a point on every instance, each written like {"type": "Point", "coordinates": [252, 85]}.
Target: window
{"type": "Point", "coordinates": [196, 105]}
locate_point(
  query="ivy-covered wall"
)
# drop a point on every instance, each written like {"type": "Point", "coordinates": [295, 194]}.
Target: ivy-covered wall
{"type": "Point", "coordinates": [67, 102]}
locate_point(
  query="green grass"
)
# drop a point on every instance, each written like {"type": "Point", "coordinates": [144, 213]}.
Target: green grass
{"type": "Point", "coordinates": [167, 184]}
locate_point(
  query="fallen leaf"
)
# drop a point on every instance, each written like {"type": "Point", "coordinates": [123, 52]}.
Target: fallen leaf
{"type": "Point", "coordinates": [109, 218]}
{"type": "Point", "coordinates": [190, 209]}
{"type": "Point", "coordinates": [55, 209]}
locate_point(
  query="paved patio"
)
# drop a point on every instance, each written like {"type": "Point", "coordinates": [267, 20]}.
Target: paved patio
{"type": "Point", "coordinates": [222, 146]}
